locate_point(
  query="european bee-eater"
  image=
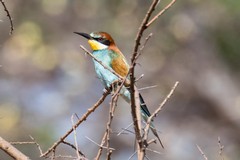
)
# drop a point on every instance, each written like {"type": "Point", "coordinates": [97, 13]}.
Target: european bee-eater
{"type": "Point", "coordinates": [106, 51]}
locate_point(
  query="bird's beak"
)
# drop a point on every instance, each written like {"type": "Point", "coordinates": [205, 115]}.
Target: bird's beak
{"type": "Point", "coordinates": [84, 35]}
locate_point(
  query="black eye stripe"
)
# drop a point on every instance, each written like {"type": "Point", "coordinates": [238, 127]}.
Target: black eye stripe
{"type": "Point", "coordinates": [103, 41]}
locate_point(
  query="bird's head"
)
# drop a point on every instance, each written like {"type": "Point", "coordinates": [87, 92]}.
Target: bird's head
{"type": "Point", "coordinates": [98, 40]}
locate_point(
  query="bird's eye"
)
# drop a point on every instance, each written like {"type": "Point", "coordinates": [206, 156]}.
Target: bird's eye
{"type": "Point", "coordinates": [99, 39]}
{"type": "Point", "coordinates": [103, 40]}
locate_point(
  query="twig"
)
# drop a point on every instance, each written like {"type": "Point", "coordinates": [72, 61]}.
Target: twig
{"type": "Point", "coordinates": [149, 87]}
{"type": "Point", "coordinates": [154, 151]}
{"type": "Point", "coordinates": [104, 66]}
{"type": "Point", "coordinates": [144, 44]}
{"type": "Point", "coordinates": [71, 145]}
{"type": "Point", "coordinates": [164, 101]}
{"type": "Point", "coordinates": [203, 154]}
{"type": "Point", "coordinates": [21, 143]}
{"type": "Point", "coordinates": [113, 105]}
{"type": "Point", "coordinates": [83, 118]}
{"type": "Point", "coordinates": [124, 129]}
{"type": "Point", "coordinates": [98, 144]}
{"type": "Point", "coordinates": [38, 145]}
{"type": "Point", "coordinates": [111, 111]}
{"type": "Point", "coordinates": [220, 148]}
{"type": "Point", "coordinates": [32, 142]}
{"type": "Point", "coordinates": [139, 77]}
{"type": "Point", "coordinates": [146, 129]}
{"type": "Point", "coordinates": [132, 155]}
{"type": "Point", "coordinates": [160, 13]}
{"type": "Point", "coordinates": [9, 17]}
{"type": "Point", "coordinates": [11, 151]}
{"type": "Point", "coordinates": [101, 146]}
{"type": "Point", "coordinates": [75, 136]}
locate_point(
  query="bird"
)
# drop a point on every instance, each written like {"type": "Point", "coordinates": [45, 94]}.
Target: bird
{"type": "Point", "coordinates": [106, 51]}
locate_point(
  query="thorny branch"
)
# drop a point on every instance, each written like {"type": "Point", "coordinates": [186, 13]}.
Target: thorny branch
{"type": "Point", "coordinates": [202, 153]}
{"type": "Point", "coordinates": [106, 137]}
{"type": "Point", "coordinates": [220, 148]}
{"type": "Point", "coordinates": [9, 16]}
{"type": "Point", "coordinates": [134, 107]}
{"type": "Point", "coordinates": [146, 129]}
{"type": "Point", "coordinates": [112, 108]}
{"type": "Point", "coordinates": [160, 13]}
{"type": "Point", "coordinates": [83, 118]}
{"type": "Point", "coordinates": [75, 137]}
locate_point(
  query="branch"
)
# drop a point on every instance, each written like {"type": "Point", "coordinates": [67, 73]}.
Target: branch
{"type": "Point", "coordinates": [83, 118]}
{"type": "Point", "coordinates": [150, 119]}
{"type": "Point", "coordinates": [97, 143]}
{"type": "Point", "coordinates": [134, 108]}
{"type": "Point", "coordinates": [106, 137]}
{"type": "Point", "coordinates": [203, 154]}
{"type": "Point", "coordinates": [71, 145]}
{"type": "Point", "coordinates": [9, 17]}
{"type": "Point", "coordinates": [12, 151]}
{"type": "Point", "coordinates": [220, 149]}
{"type": "Point", "coordinates": [160, 13]}
{"type": "Point", "coordinates": [111, 111]}
{"type": "Point", "coordinates": [75, 137]}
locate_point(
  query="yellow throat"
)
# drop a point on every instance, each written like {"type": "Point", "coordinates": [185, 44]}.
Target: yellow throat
{"type": "Point", "coordinates": [95, 45]}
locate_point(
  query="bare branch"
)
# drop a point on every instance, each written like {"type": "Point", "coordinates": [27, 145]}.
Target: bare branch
{"type": "Point", "coordinates": [160, 13]}
{"type": "Point", "coordinates": [11, 151]}
{"type": "Point", "coordinates": [144, 44]}
{"type": "Point", "coordinates": [149, 87]}
{"type": "Point", "coordinates": [124, 129]}
{"type": "Point", "coordinates": [75, 137]}
{"type": "Point", "coordinates": [71, 145]}
{"type": "Point", "coordinates": [203, 154]}
{"type": "Point", "coordinates": [98, 144]}
{"type": "Point", "coordinates": [9, 16]}
{"type": "Point", "coordinates": [220, 149]}
{"type": "Point", "coordinates": [111, 111]}
{"type": "Point", "coordinates": [146, 129]}
{"type": "Point", "coordinates": [132, 155]}
{"type": "Point", "coordinates": [83, 118]}
{"type": "Point", "coordinates": [134, 108]}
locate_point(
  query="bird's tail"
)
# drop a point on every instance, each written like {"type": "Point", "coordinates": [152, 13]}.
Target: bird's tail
{"type": "Point", "coordinates": [145, 115]}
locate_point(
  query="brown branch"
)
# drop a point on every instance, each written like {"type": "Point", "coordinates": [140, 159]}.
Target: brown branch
{"type": "Point", "coordinates": [9, 17]}
{"type": "Point", "coordinates": [137, 118]}
{"type": "Point", "coordinates": [11, 151]}
{"type": "Point", "coordinates": [111, 111]}
{"type": "Point", "coordinates": [101, 146]}
{"type": "Point", "coordinates": [150, 119]}
{"type": "Point", "coordinates": [161, 13]}
{"type": "Point", "coordinates": [83, 118]}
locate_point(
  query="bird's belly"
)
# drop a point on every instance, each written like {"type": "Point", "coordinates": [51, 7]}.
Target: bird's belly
{"type": "Point", "coordinates": [106, 77]}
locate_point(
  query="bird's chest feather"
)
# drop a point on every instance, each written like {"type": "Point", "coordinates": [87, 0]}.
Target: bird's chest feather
{"type": "Point", "coordinates": [103, 74]}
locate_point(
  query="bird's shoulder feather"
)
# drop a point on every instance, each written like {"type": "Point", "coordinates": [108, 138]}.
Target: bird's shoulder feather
{"type": "Point", "coordinates": [119, 63]}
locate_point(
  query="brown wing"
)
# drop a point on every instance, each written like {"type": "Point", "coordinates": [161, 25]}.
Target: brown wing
{"type": "Point", "coordinates": [120, 66]}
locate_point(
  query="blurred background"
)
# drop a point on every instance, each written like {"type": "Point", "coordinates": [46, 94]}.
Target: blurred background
{"type": "Point", "coordinates": [45, 77]}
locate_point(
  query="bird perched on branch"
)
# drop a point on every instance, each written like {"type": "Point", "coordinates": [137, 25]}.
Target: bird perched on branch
{"type": "Point", "coordinates": [106, 51]}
